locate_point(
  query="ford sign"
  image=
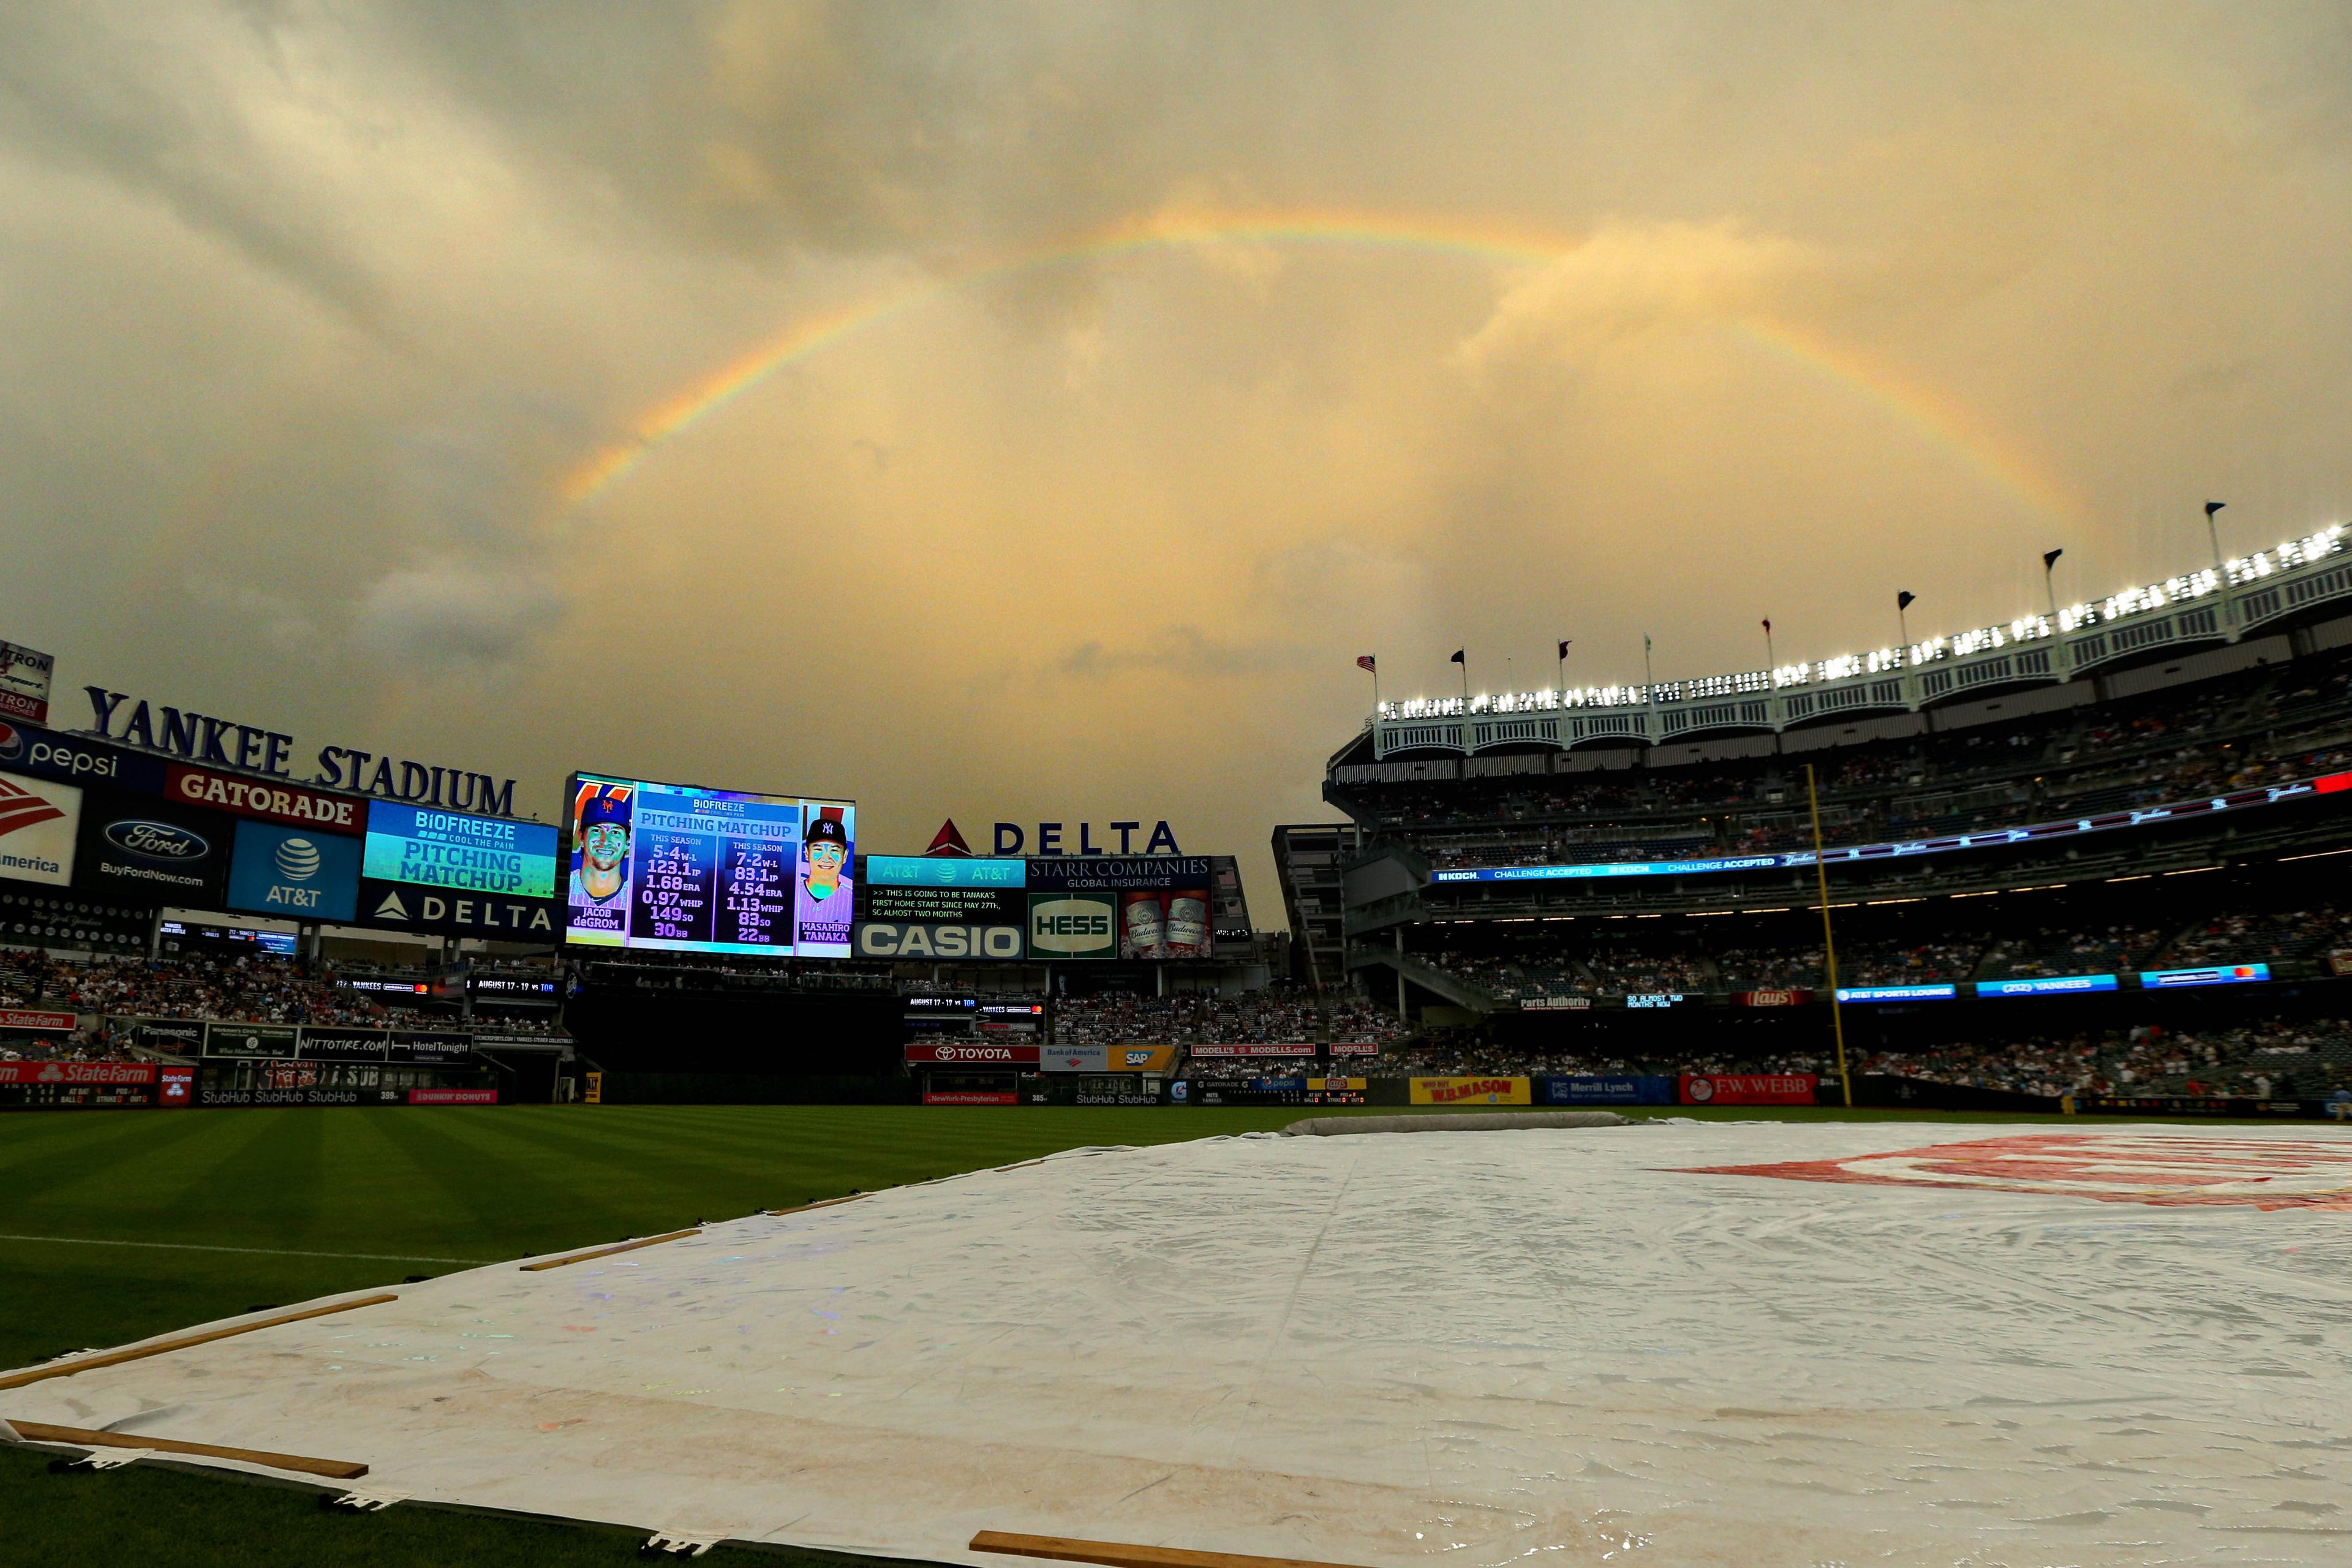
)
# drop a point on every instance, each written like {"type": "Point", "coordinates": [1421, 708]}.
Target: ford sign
{"type": "Point", "coordinates": [157, 840]}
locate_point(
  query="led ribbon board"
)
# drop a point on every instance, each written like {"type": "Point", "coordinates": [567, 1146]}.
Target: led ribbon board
{"type": "Point", "coordinates": [1992, 838]}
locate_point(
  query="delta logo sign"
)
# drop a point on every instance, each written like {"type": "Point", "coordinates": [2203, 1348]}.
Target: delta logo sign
{"type": "Point", "coordinates": [2160, 1170]}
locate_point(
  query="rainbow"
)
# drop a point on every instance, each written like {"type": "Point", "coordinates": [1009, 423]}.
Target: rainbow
{"type": "Point", "coordinates": [1936, 417]}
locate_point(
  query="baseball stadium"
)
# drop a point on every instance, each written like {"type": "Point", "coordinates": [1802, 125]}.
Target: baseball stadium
{"type": "Point", "coordinates": [1050, 1204]}
{"type": "Point", "coordinates": [766, 791]}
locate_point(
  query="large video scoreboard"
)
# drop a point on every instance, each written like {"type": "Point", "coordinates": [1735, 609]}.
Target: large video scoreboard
{"type": "Point", "coordinates": [677, 868]}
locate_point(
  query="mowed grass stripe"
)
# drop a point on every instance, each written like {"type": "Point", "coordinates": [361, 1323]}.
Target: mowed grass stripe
{"type": "Point", "coordinates": [499, 1187]}
{"type": "Point", "coordinates": [257, 1181]}
{"type": "Point", "coordinates": [92, 1145]}
{"type": "Point", "coordinates": [250, 1251]}
{"type": "Point", "coordinates": [446, 1181]}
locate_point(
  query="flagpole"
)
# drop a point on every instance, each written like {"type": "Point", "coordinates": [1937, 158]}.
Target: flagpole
{"type": "Point", "coordinates": [1649, 694]}
{"type": "Point", "coordinates": [1829, 937]}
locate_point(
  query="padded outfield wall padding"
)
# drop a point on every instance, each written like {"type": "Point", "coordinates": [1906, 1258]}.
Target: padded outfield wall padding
{"type": "Point", "coordinates": [1455, 1122]}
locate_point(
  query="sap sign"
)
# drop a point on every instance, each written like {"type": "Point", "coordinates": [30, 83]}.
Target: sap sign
{"type": "Point", "coordinates": [1011, 839]}
{"type": "Point", "coordinates": [1072, 926]}
{"type": "Point", "coordinates": [299, 873]}
{"type": "Point", "coordinates": [896, 939]}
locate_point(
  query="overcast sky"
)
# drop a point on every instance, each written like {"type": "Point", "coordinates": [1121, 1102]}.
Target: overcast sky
{"type": "Point", "coordinates": [1444, 326]}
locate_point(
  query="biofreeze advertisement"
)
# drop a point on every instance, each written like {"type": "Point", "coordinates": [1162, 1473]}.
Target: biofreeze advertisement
{"type": "Point", "coordinates": [428, 848]}
{"type": "Point", "coordinates": [677, 868]}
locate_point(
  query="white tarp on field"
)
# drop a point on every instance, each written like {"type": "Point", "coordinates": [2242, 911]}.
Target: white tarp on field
{"type": "Point", "coordinates": [1907, 1344]}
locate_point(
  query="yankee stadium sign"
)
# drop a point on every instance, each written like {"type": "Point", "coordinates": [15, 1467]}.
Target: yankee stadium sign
{"type": "Point", "coordinates": [224, 742]}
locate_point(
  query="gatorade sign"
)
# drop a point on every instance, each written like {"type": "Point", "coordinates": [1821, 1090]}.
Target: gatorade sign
{"type": "Point", "coordinates": [1072, 925]}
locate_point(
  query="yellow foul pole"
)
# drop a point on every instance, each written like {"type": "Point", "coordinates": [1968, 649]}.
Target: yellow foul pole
{"type": "Point", "coordinates": [1829, 938]}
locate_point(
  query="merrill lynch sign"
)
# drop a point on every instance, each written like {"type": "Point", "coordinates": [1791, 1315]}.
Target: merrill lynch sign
{"type": "Point", "coordinates": [224, 742]}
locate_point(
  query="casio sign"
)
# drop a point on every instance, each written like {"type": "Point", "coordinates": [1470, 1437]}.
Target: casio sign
{"type": "Point", "coordinates": [886, 938]}
{"type": "Point", "coordinates": [157, 840]}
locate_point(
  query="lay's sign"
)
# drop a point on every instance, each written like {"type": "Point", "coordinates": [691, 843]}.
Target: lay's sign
{"type": "Point", "coordinates": [1470, 1091]}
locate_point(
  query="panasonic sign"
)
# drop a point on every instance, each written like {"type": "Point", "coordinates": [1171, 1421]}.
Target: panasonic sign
{"type": "Point", "coordinates": [897, 939]}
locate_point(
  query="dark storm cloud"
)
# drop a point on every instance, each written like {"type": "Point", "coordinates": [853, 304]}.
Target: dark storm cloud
{"type": "Point", "coordinates": [312, 311]}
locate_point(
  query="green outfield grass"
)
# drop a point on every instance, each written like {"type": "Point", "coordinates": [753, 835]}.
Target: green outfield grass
{"type": "Point", "coordinates": [115, 1227]}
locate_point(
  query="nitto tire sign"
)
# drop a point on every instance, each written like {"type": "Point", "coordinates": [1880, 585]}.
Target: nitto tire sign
{"type": "Point", "coordinates": [1071, 925]}
{"type": "Point", "coordinates": [898, 939]}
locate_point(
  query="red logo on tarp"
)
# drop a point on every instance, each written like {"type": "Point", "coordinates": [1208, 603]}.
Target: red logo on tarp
{"type": "Point", "coordinates": [2111, 1167]}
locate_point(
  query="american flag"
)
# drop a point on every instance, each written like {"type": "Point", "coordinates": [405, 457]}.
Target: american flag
{"type": "Point", "coordinates": [1364, 661]}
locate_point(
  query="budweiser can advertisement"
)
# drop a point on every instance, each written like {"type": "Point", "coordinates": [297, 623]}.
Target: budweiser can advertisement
{"type": "Point", "coordinates": [1188, 923]}
{"type": "Point", "coordinates": [1142, 926]}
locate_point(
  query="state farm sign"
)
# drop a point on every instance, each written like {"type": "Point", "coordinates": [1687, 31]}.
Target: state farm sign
{"type": "Point", "coordinates": [971, 1053]}
{"type": "Point", "coordinates": [78, 1072]}
{"type": "Point", "coordinates": [26, 1018]}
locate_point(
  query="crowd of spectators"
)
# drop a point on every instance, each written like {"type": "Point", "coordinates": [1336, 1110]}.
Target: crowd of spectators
{"type": "Point", "coordinates": [1282, 1014]}
{"type": "Point", "coordinates": [2259, 727]}
{"type": "Point", "coordinates": [2264, 1060]}
{"type": "Point", "coordinates": [1576, 959]}
{"type": "Point", "coordinates": [248, 988]}
{"type": "Point", "coordinates": [2259, 1060]}
{"type": "Point", "coordinates": [2110, 949]}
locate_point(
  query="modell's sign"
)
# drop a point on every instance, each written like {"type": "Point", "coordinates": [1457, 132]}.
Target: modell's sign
{"type": "Point", "coordinates": [972, 1053]}
{"type": "Point", "coordinates": [203, 740]}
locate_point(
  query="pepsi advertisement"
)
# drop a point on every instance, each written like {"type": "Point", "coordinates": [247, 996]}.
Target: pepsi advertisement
{"type": "Point", "coordinates": [144, 850]}
{"type": "Point", "coordinates": [675, 868]}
